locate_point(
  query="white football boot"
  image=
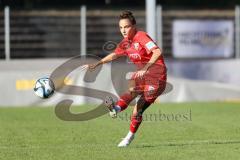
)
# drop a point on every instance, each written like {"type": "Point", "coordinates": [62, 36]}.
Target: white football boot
{"type": "Point", "coordinates": [109, 103]}
{"type": "Point", "coordinates": [126, 141]}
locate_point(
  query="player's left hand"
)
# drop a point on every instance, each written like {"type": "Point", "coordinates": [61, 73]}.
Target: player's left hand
{"type": "Point", "coordinates": [140, 73]}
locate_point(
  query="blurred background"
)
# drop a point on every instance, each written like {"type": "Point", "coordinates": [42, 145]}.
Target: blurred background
{"type": "Point", "coordinates": [200, 42]}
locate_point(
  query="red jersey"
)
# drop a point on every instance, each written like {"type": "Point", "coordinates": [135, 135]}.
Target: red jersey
{"type": "Point", "coordinates": [139, 50]}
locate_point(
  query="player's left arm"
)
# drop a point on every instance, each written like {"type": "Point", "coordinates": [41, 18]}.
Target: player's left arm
{"type": "Point", "coordinates": [156, 53]}
{"type": "Point", "coordinates": [155, 56]}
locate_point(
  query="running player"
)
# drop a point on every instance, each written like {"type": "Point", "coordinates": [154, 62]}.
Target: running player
{"type": "Point", "coordinates": [149, 81]}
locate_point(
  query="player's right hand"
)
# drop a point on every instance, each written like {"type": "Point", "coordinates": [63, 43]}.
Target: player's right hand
{"type": "Point", "coordinates": [91, 67]}
{"type": "Point", "coordinates": [84, 67]}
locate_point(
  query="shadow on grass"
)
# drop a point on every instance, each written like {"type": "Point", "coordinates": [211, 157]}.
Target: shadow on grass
{"type": "Point", "coordinates": [189, 143]}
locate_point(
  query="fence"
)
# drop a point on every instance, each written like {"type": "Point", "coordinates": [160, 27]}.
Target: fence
{"type": "Point", "coordinates": [58, 33]}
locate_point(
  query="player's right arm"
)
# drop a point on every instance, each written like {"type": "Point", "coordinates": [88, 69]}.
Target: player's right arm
{"type": "Point", "coordinates": [118, 52]}
{"type": "Point", "coordinates": [110, 57]}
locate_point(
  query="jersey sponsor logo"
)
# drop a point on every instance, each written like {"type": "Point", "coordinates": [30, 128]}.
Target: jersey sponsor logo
{"type": "Point", "coordinates": [150, 45]}
{"type": "Point", "coordinates": [135, 56]}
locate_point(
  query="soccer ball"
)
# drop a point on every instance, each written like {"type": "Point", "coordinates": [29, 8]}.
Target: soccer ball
{"type": "Point", "coordinates": [44, 87]}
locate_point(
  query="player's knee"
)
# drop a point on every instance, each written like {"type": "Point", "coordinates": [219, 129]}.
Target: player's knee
{"type": "Point", "coordinates": [131, 89]}
{"type": "Point", "coordinates": [137, 113]}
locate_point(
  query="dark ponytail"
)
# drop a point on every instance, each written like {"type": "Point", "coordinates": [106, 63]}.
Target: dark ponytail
{"type": "Point", "coordinates": [128, 15]}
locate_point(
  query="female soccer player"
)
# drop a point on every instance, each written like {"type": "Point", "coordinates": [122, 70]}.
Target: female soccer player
{"type": "Point", "coordinates": [148, 81]}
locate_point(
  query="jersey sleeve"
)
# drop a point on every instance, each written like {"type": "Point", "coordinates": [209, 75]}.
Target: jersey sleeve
{"type": "Point", "coordinates": [119, 51]}
{"type": "Point", "coordinates": [146, 42]}
{"type": "Point", "coordinates": [121, 48]}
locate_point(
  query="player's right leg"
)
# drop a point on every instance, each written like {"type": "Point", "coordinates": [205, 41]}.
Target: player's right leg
{"type": "Point", "coordinates": [122, 103]}
{"type": "Point", "coordinates": [109, 103]}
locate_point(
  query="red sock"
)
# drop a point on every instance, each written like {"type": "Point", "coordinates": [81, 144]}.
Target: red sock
{"type": "Point", "coordinates": [124, 101]}
{"type": "Point", "coordinates": [135, 123]}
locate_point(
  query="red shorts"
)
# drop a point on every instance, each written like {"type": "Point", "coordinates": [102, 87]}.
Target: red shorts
{"type": "Point", "coordinates": [150, 86]}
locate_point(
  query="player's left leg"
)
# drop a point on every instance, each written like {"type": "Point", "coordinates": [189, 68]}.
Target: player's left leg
{"type": "Point", "coordinates": [153, 88]}
{"type": "Point", "coordinates": [136, 120]}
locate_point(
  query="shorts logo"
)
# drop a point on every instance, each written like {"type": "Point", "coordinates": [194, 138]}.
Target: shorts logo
{"type": "Point", "coordinates": [150, 90]}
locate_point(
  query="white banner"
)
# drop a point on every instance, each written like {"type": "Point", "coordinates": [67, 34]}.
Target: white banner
{"type": "Point", "coordinates": [202, 38]}
{"type": "Point", "coordinates": [17, 79]}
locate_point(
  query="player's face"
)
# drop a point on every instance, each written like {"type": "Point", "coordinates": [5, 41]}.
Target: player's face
{"type": "Point", "coordinates": [126, 28]}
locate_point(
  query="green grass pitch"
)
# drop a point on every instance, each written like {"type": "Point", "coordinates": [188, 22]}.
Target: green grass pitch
{"type": "Point", "coordinates": [196, 131]}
